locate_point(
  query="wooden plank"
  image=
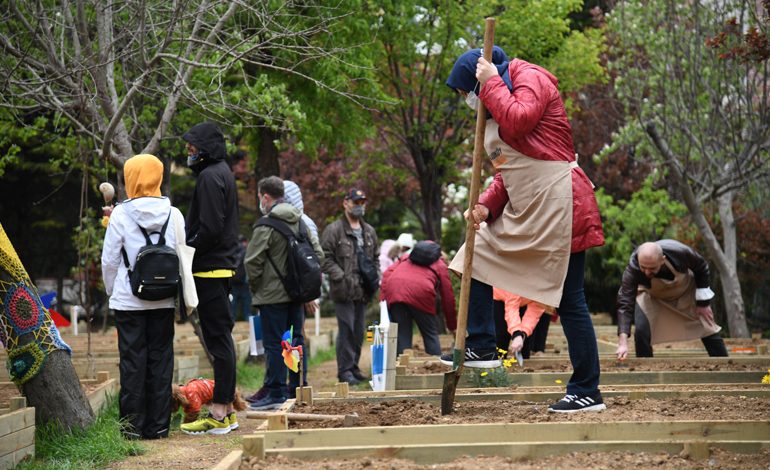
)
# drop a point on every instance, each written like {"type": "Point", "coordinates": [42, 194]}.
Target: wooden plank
{"type": "Point", "coordinates": [551, 396]}
{"type": "Point", "coordinates": [98, 397]}
{"type": "Point", "coordinates": [702, 360]}
{"type": "Point", "coordinates": [13, 459]}
{"type": "Point", "coordinates": [232, 461]}
{"type": "Point", "coordinates": [17, 403]}
{"type": "Point", "coordinates": [520, 432]}
{"type": "Point", "coordinates": [16, 421]}
{"type": "Point", "coordinates": [544, 379]}
{"type": "Point", "coordinates": [438, 453]}
{"type": "Point", "coordinates": [20, 439]}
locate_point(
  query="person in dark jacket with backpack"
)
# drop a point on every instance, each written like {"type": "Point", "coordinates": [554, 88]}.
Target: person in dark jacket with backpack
{"type": "Point", "coordinates": [267, 270]}
{"type": "Point", "coordinates": [212, 229]}
{"type": "Point", "coordinates": [410, 287]}
{"type": "Point", "coordinates": [145, 327]}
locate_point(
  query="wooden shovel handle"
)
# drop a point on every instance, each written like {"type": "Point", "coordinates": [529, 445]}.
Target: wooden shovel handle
{"type": "Point", "coordinates": [470, 232]}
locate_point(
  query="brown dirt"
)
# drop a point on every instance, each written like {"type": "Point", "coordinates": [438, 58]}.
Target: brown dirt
{"type": "Point", "coordinates": [613, 366]}
{"type": "Point", "coordinates": [719, 458]}
{"type": "Point", "coordinates": [183, 452]}
{"type": "Point", "coordinates": [414, 412]}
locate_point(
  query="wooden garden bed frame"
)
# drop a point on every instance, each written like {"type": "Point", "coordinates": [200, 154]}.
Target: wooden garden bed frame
{"type": "Point", "coordinates": [427, 444]}
{"type": "Point", "coordinates": [545, 379]}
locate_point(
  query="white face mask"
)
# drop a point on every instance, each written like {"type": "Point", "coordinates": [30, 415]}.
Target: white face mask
{"type": "Point", "coordinates": [472, 100]}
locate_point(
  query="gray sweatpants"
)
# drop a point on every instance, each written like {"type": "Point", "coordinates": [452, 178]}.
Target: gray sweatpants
{"type": "Point", "coordinates": [350, 335]}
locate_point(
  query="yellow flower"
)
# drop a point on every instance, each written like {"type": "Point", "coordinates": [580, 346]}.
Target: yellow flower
{"type": "Point", "coordinates": [557, 381]}
{"type": "Point", "coordinates": [484, 374]}
{"type": "Point", "coordinates": [766, 379]}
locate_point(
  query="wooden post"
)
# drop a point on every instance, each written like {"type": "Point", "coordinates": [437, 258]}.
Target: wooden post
{"type": "Point", "coordinates": [400, 370]}
{"type": "Point", "coordinates": [277, 422]}
{"type": "Point", "coordinates": [390, 360]}
{"type": "Point", "coordinates": [102, 376]}
{"type": "Point", "coordinates": [18, 403]}
{"type": "Point", "coordinates": [304, 395]}
{"type": "Point", "coordinates": [343, 390]}
{"type": "Point", "coordinates": [403, 360]}
{"type": "Point", "coordinates": [254, 446]}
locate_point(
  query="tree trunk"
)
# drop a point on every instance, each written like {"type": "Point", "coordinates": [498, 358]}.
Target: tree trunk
{"type": "Point", "coordinates": [731, 287]}
{"type": "Point", "coordinates": [725, 260]}
{"type": "Point", "coordinates": [55, 390]}
{"type": "Point", "coordinates": [56, 394]}
{"type": "Point", "coordinates": [267, 155]}
{"type": "Point", "coordinates": [430, 191]}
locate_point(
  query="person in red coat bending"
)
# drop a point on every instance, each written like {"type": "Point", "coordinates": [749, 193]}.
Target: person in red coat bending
{"type": "Point", "coordinates": [410, 287]}
{"type": "Point", "coordinates": [535, 220]}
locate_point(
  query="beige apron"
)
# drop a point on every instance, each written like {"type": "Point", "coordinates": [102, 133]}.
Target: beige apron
{"type": "Point", "coordinates": [670, 308]}
{"type": "Point", "coordinates": [526, 250]}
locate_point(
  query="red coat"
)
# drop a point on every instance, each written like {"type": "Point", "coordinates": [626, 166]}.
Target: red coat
{"type": "Point", "coordinates": [415, 285]}
{"type": "Point", "coordinates": [533, 121]}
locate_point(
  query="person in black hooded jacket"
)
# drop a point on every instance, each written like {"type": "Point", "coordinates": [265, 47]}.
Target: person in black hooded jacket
{"type": "Point", "coordinates": [212, 229]}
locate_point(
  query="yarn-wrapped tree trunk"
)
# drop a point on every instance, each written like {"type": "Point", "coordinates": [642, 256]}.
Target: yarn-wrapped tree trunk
{"type": "Point", "coordinates": [39, 361]}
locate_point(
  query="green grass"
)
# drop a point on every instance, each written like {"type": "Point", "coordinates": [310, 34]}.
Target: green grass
{"type": "Point", "coordinates": [249, 376]}
{"type": "Point", "coordinates": [92, 448]}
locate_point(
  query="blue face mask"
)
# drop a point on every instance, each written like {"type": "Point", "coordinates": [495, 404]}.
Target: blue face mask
{"type": "Point", "coordinates": [194, 159]}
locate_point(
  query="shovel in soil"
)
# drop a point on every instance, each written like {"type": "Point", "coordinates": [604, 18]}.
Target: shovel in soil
{"type": "Point", "coordinates": [451, 378]}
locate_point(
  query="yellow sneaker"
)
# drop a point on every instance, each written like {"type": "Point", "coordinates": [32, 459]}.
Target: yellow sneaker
{"type": "Point", "coordinates": [232, 418]}
{"type": "Point", "coordinates": [207, 425]}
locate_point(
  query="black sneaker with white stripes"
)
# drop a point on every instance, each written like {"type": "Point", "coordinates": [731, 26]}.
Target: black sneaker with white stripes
{"type": "Point", "coordinates": [477, 358]}
{"type": "Point", "coordinates": [575, 403]}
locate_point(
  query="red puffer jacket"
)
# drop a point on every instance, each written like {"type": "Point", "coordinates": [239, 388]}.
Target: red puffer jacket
{"type": "Point", "coordinates": [534, 122]}
{"type": "Point", "coordinates": [409, 283]}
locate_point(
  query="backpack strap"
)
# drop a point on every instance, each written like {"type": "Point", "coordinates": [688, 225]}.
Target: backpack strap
{"type": "Point", "coordinates": [283, 228]}
{"type": "Point", "coordinates": [161, 240]}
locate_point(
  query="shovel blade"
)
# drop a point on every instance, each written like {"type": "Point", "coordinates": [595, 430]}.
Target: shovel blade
{"type": "Point", "coordinates": [451, 378]}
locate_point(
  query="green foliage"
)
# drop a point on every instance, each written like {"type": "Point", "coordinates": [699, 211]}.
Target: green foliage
{"type": "Point", "coordinates": [249, 376]}
{"type": "Point", "coordinates": [92, 448]}
{"type": "Point", "coordinates": [649, 215]}
{"type": "Point", "coordinates": [497, 377]}
{"type": "Point", "coordinates": [88, 240]}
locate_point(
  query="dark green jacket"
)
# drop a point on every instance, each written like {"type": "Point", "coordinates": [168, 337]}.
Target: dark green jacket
{"type": "Point", "coordinates": [265, 285]}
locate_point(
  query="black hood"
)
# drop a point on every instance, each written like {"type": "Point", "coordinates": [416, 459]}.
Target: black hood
{"type": "Point", "coordinates": [209, 140]}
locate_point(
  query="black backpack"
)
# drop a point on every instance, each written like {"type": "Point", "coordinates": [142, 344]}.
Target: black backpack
{"type": "Point", "coordinates": [303, 268]}
{"type": "Point", "coordinates": [156, 269]}
{"type": "Point", "coordinates": [425, 253]}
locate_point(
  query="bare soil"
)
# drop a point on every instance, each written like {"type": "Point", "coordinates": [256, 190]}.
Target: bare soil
{"type": "Point", "coordinates": [415, 412]}
{"type": "Point", "coordinates": [719, 459]}
{"type": "Point", "coordinates": [183, 452]}
{"type": "Point", "coordinates": [556, 365]}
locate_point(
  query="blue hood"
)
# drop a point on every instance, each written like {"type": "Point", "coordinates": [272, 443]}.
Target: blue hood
{"type": "Point", "coordinates": [463, 74]}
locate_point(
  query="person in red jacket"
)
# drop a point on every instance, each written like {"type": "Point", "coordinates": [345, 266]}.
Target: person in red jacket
{"type": "Point", "coordinates": [410, 290]}
{"type": "Point", "coordinates": [535, 220]}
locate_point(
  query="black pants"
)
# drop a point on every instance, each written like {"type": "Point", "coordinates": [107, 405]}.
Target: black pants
{"type": "Point", "coordinates": [427, 323]}
{"type": "Point", "coordinates": [715, 345]}
{"type": "Point", "coordinates": [217, 328]}
{"type": "Point", "coordinates": [146, 347]}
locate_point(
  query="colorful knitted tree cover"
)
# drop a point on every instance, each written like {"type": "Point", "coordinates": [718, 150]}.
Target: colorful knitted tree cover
{"type": "Point", "coordinates": [22, 313]}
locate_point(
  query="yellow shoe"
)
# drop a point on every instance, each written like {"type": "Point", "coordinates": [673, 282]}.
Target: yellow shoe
{"type": "Point", "coordinates": [207, 425]}
{"type": "Point", "coordinates": [232, 418]}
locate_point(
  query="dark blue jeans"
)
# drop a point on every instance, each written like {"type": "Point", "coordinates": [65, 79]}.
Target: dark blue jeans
{"type": "Point", "coordinates": [575, 320]}
{"type": "Point", "coordinates": [276, 319]}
